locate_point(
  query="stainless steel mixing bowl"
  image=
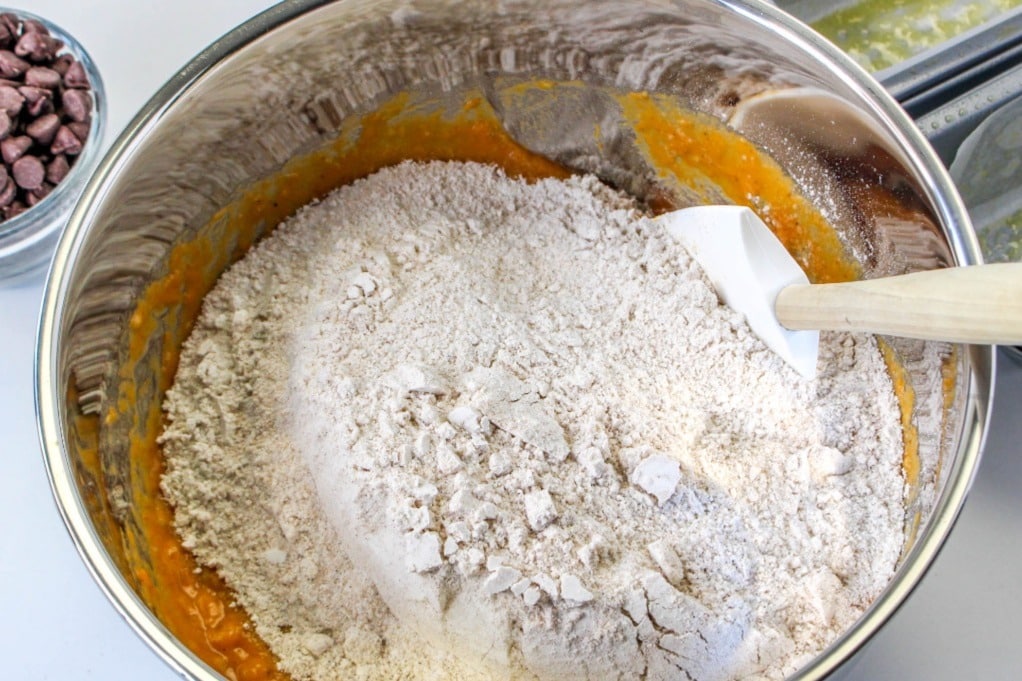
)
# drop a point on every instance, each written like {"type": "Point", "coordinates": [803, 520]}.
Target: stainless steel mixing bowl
{"type": "Point", "coordinates": [294, 78]}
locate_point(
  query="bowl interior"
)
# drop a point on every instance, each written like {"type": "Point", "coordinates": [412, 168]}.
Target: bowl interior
{"type": "Point", "coordinates": [311, 95]}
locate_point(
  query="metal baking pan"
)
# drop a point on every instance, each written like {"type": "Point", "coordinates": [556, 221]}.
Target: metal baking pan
{"type": "Point", "coordinates": [948, 86]}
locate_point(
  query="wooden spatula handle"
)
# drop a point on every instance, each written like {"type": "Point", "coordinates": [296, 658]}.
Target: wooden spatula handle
{"type": "Point", "coordinates": [979, 304]}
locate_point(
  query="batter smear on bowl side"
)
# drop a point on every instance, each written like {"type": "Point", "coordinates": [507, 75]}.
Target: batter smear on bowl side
{"type": "Point", "coordinates": [448, 424]}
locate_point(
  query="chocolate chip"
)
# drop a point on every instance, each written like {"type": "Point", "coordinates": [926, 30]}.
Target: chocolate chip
{"type": "Point", "coordinates": [65, 142]}
{"type": "Point", "coordinates": [13, 148]}
{"type": "Point", "coordinates": [75, 77]}
{"type": "Point", "coordinates": [9, 191]}
{"type": "Point", "coordinates": [37, 47]}
{"type": "Point", "coordinates": [77, 104]}
{"type": "Point", "coordinates": [44, 128]}
{"type": "Point", "coordinates": [62, 63]}
{"type": "Point", "coordinates": [40, 107]}
{"type": "Point", "coordinates": [14, 209]}
{"type": "Point", "coordinates": [38, 101]}
{"type": "Point", "coordinates": [9, 24]}
{"type": "Point", "coordinates": [11, 65]}
{"type": "Point", "coordinates": [57, 169]}
{"type": "Point", "coordinates": [37, 195]}
{"type": "Point", "coordinates": [40, 76]}
{"type": "Point", "coordinates": [28, 172]}
{"type": "Point", "coordinates": [80, 129]}
{"type": "Point", "coordinates": [32, 93]}
{"type": "Point", "coordinates": [11, 100]}
{"type": "Point", "coordinates": [34, 26]}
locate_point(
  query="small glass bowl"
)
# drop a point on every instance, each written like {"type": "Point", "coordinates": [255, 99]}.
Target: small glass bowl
{"type": "Point", "coordinates": [27, 240]}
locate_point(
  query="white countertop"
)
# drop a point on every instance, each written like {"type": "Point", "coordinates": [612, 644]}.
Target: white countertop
{"type": "Point", "coordinates": [964, 621]}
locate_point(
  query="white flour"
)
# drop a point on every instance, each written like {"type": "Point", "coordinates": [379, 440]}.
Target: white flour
{"type": "Point", "coordinates": [446, 424]}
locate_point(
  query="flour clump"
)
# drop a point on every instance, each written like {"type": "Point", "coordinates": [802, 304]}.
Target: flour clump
{"type": "Point", "coordinates": [449, 424]}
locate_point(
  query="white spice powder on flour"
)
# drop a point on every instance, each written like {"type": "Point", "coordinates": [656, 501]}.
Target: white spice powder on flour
{"type": "Point", "coordinates": [448, 424]}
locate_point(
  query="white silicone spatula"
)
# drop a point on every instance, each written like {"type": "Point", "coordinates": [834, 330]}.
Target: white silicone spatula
{"type": "Point", "coordinates": [754, 274]}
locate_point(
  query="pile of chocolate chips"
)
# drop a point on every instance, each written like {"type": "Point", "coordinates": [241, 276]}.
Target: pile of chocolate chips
{"type": "Point", "coordinates": [45, 113]}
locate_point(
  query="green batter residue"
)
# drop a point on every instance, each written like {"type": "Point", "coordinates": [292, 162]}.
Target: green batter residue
{"type": "Point", "coordinates": [881, 33]}
{"type": "Point", "coordinates": [1002, 241]}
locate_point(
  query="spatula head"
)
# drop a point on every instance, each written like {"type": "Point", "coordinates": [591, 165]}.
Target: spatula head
{"type": "Point", "coordinates": [748, 267]}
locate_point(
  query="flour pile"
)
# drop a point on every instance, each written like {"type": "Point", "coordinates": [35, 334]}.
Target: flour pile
{"type": "Point", "coordinates": [447, 424]}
